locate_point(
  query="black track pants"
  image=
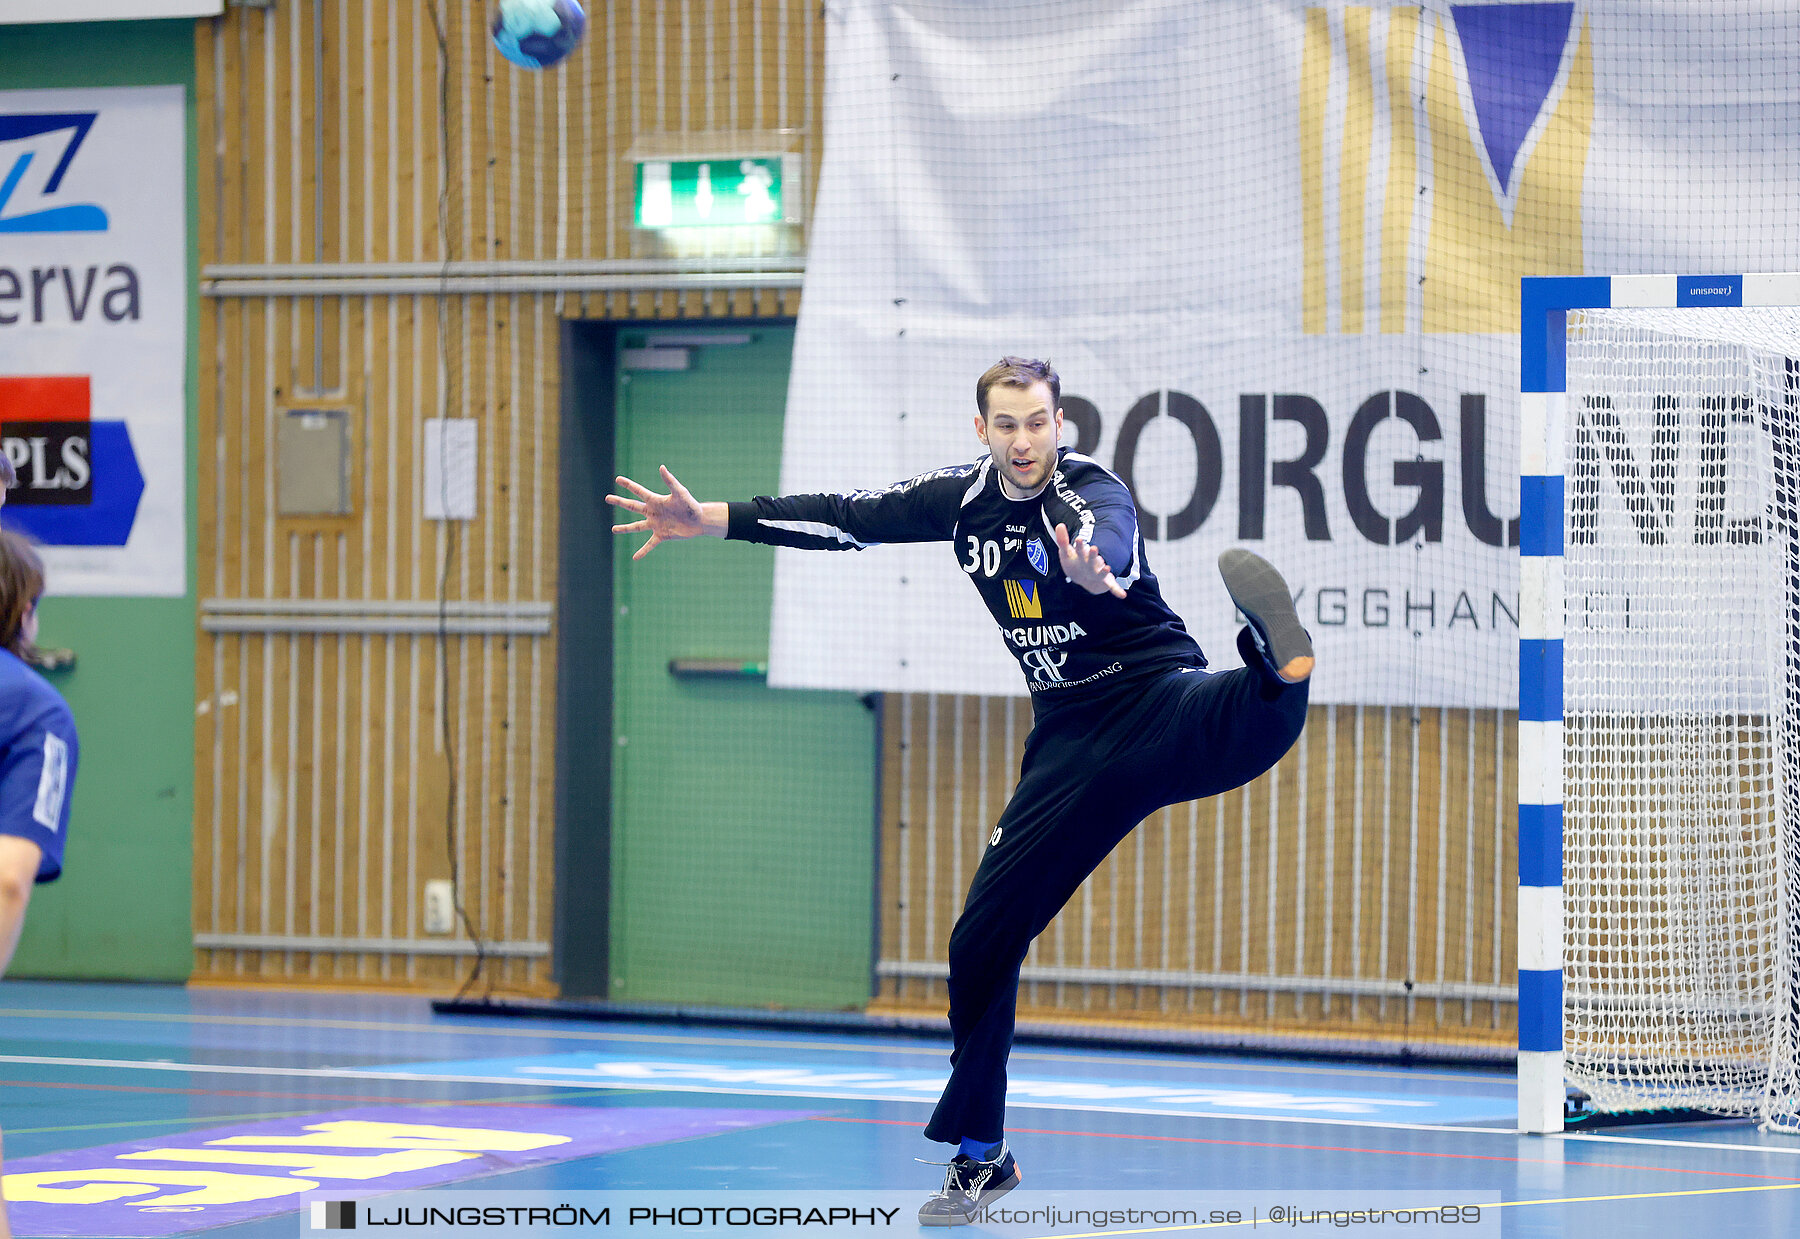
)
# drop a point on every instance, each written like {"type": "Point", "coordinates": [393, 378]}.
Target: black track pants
{"type": "Point", "coordinates": [1092, 771]}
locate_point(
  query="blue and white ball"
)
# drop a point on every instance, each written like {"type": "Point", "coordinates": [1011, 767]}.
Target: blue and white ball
{"type": "Point", "coordinates": [536, 34]}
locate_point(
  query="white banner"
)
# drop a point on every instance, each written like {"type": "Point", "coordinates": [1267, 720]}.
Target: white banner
{"type": "Point", "coordinates": [93, 333]}
{"type": "Point", "coordinates": [18, 12]}
{"type": "Point", "coordinates": [1274, 251]}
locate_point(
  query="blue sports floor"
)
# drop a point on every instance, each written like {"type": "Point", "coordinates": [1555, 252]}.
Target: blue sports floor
{"type": "Point", "coordinates": [128, 1085]}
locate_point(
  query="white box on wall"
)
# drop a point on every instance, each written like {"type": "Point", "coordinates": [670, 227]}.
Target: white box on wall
{"type": "Point", "coordinates": [450, 446]}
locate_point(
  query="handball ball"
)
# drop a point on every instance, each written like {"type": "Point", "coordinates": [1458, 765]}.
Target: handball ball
{"type": "Point", "coordinates": [538, 33]}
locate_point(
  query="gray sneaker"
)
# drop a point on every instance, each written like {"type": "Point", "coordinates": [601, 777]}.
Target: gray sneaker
{"type": "Point", "coordinates": [1263, 597]}
{"type": "Point", "coordinates": [968, 1186]}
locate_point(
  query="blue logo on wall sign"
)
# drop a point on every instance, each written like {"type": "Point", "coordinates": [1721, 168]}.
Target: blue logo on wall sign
{"type": "Point", "coordinates": [106, 519]}
{"type": "Point", "coordinates": [72, 217]}
{"type": "Point", "coordinates": [1039, 557]}
{"type": "Point", "coordinates": [1490, 107]}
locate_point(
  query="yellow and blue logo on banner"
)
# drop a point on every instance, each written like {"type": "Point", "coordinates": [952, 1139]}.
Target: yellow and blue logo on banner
{"type": "Point", "coordinates": [1442, 156]}
{"type": "Point", "coordinates": [1024, 599]}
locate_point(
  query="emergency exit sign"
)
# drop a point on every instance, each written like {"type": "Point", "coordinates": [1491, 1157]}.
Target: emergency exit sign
{"type": "Point", "coordinates": [701, 193]}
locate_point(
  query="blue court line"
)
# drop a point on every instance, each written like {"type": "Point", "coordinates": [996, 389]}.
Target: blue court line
{"type": "Point", "coordinates": [556, 1031]}
{"type": "Point", "coordinates": [789, 1079]}
{"type": "Point", "coordinates": [421, 1073]}
{"type": "Point", "coordinates": [1358, 1150]}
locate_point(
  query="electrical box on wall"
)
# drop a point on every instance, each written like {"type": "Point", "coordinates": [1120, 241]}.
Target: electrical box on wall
{"type": "Point", "coordinates": [439, 910]}
{"type": "Point", "coordinates": [312, 462]}
{"type": "Point", "coordinates": [451, 446]}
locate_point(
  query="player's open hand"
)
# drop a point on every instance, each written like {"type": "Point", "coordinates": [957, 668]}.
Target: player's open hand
{"type": "Point", "coordinates": [667, 518]}
{"type": "Point", "coordinates": [1083, 564]}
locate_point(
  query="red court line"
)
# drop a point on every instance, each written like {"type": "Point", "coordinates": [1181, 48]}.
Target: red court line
{"type": "Point", "coordinates": [1334, 1148]}
{"type": "Point", "coordinates": [229, 1092]}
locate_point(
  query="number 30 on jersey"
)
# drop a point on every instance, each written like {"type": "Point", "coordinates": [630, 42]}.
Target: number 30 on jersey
{"type": "Point", "coordinates": [983, 557]}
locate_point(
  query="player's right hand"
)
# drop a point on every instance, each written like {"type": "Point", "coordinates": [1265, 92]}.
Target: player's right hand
{"type": "Point", "coordinates": [667, 518]}
{"type": "Point", "coordinates": [1083, 564]}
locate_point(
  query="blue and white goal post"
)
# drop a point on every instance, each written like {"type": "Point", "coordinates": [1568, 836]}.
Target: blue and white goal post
{"type": "Point", "coordinates": [1544, 411]}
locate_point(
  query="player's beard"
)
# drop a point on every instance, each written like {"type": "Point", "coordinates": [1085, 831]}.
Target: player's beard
{"type": "Point", "coordinates": [1035, 477]}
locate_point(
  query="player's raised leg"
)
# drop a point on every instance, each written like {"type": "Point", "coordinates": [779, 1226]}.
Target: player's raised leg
{"type": "Point", "coordinates": [1262, 595]}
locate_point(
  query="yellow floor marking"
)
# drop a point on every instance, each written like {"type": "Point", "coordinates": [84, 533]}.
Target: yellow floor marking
{"type": "Point", "coordinates": [209, 1120]}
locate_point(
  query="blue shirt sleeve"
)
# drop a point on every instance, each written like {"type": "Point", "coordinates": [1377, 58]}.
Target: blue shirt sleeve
{"type": "Point", "coordinates": [37, 770]}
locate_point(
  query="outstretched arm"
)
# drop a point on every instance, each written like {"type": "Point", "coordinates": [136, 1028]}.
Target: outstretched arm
{"type": "Point", "coordinates": [668, 518]}
{"type": "Point", "coordinates": [921, 509]}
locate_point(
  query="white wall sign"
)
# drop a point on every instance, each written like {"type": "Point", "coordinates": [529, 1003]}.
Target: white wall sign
{"type": "Point", "coordinates": [93, 333]}
{"type": "Point", "coordinates": [23, 12]}
{"type": "Point", "coordinates": [1274, 250]}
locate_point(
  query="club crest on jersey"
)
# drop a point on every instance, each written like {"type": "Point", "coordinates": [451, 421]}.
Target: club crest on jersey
{"type": "Point", "coordinates": [1039, 556]}
{"type": "Point", "coordinates": [1025, 599]}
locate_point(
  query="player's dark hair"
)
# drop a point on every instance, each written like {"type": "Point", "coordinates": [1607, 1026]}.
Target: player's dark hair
{"type": "Point", "coordinates": [21, 584]}
{"type": "Point", "coordinates": [1018, 372]}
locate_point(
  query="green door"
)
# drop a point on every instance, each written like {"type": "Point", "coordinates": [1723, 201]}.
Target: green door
{"type": "Point", "coordinates": [743, 816]}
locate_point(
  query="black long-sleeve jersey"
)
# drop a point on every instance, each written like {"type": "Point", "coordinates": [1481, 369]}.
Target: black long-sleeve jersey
{"type": "Point", "coordinates": [1069, 643]}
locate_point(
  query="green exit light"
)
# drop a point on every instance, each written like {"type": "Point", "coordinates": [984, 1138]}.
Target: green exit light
{"type": "Point", "coordinates": [702, 193]}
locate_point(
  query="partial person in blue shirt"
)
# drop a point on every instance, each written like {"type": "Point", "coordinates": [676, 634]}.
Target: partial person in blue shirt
{"type": "Point", "coordinates": [37, 750]}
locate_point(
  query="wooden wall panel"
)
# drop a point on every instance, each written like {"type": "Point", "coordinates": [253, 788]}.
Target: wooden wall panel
{"type": "Point", "coordinates": [1373, 855]}
{"type": "Point", "coordinates": [331, 767]}
{"type": "Point", "coordinates": [1361, 890]}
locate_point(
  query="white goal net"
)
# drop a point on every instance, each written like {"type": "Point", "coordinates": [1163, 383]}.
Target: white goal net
{"type": "Point", "coordinates": [1682, 709]}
